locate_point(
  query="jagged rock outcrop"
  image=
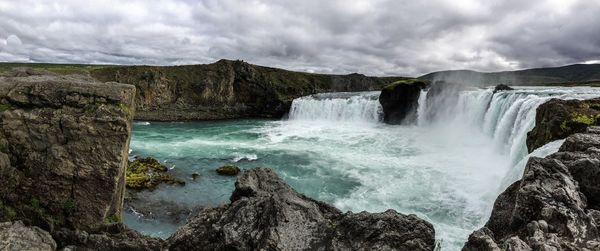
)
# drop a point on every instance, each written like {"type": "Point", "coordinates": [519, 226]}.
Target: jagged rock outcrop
{"type": "Point", "coordinates": [266, 214]}
{"type": "Point", "coordinates": [557, 119]}
{"type": "Point", "coordinates": [15, 236]}
{"type": "Point", "coordinates": [399, 101]}
{"type": "Point", "coordinates": [226, 89]}
{"type": "Point", "coordinates": [553, 207]}
{"type": "Point", "coordinates": [64, 143]}
{"type": "Point", "coordinates": [108, 237]}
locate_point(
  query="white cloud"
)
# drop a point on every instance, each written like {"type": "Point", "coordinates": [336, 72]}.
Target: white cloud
{"type": "Point", "coordinates": [378, 37]}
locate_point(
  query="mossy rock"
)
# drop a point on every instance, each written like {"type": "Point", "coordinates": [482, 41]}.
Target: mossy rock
{"type": "Point", "coordinates": [229, 170]}
{"type": "Point", "coordinates": [411, 81]}
{"type": "Point", "coordinates": [148, 173]}
{"type": "Point", "coordinates": [557, 119]}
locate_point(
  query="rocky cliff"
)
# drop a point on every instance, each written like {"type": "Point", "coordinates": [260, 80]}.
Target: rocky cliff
{"type": "Point", "coordinates": [553, 207]}
{"type": "Point", "coordinates": [266, 214]}
{"type": "Point", "coordinates": [226, 89]}
{"type": "Point", "coordinates": [64, 143]}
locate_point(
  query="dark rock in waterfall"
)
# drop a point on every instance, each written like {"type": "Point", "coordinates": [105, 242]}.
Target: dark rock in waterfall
{"type": "Point", "coordinates": [553, 207]}
{"type": "Point", "coordinates": [266, 214]}
{"type": "Point", "coordinates": [229, 170]}
{"type": "Point", "coordinates": [399, 101]}
{"type": "Point", "coordinates": [502, 87]}
{"type": "Point", "coordinates": [557, 119]}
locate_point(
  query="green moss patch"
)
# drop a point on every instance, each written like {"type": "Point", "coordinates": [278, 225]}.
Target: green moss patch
{"type": "Point", "coordinates": [7, 213]}
{"type": "Point", "coordinates": [229, 170]}
{"type": "Point", "coordinates": [5, 107]}
{"type": "Point", "coordinates": [148, 173]}
{"type": "Point", "coordinates": [411, 81]}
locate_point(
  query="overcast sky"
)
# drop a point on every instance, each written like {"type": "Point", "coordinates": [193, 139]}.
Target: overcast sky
{"type": "Point", "coordinates": [374, 37]}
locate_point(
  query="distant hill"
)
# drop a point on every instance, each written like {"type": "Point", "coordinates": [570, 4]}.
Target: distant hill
{"type": "Point", "coordinates": [577, 74]}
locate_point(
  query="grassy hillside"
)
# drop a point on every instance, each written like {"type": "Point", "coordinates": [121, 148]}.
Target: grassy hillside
{"type": "Point", "coordinates": [578, 74]}
{"type": "Point", "coordinates": [61, 69]}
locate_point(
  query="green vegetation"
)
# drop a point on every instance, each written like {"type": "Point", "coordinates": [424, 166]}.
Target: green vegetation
{"type": "Point", "coordinates": [114, 218]}
{"type": "Point", "coordinates": [410, 81]}
{"type": "Point", "coordinates": [228, 170]}
{"type": "Point", "coordinates": [584, 119]}
{"type": "Point", "coordinates": [126, 110]}
{"type": "Point", "coordinates": [69, 206]}
{"type": "Point", "coordinates": [61, 69]}
{"type": "Point", "coordinates": [7, 213]}
{"type": "Point", "coordinates": [35, 203]}
{"type": "Point", "coordinates": [148, 173]}
{"type": "Point", "coordinates": [5, 107]}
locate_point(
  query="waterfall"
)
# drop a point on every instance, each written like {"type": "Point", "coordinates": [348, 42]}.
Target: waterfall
{"type": "Point", "coordinates": [338, 107]}
{"type": "Point", "coordinates": [505, 117]}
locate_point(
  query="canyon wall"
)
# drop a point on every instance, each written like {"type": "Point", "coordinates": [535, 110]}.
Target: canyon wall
{"type": "Point", "coordinates": [226, 89]}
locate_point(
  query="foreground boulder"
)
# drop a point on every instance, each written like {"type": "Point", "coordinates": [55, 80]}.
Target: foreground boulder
{"type": "Point", "coordinates": [16, 236]}
{"type": "Point", "coordinates": [64, 143]}
{"type": "Point", "coordinates": [266, 214]}
{"type": "Point", "coordinates": [399, 101]}
{"type": "Point", "coordinates": [553, 207]}
{"type": "Point", "coordinates": [557, 119]}
{"type": "Point", "coordinates": [108, 237]}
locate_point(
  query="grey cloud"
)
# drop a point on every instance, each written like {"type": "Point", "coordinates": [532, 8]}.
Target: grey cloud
{"type": "Point", "coordinates": [377, 37]}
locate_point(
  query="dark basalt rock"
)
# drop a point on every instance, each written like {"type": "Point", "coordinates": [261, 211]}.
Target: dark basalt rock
{"type": "Point", "coordinates": [553, 207]}
{"type": "Point", "coordinates": [557, 119]}
{"type": "Point", "coordinates": [502, 87]}
{"type": "Point", "coordinates": [399, 100]}
{"type": "Point", "coordinates": [266, 214]}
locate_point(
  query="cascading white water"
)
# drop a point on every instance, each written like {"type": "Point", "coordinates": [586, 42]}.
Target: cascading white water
{"type": "Point", "coordinates": [349, 107]}
{"type": "Point", "coordinates": [505, 117]}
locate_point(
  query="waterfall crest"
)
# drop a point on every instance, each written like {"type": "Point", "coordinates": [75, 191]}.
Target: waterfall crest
{"type": "Point", "coordinates": [338, 107]}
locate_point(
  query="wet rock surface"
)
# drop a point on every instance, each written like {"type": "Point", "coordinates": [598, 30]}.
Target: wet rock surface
{"type": "Point", "coordinates": [399, 101]}
{"type": "Point", "coordinates": [266, 214]}
{"type": "Point", "coordinates": [553, 207]}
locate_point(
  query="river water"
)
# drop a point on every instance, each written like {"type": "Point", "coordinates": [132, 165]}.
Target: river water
{"type": "Point", "coordinates": [447, 168]}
